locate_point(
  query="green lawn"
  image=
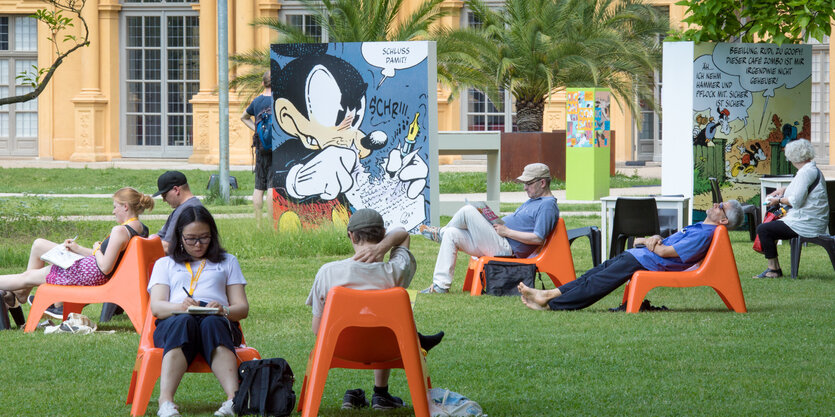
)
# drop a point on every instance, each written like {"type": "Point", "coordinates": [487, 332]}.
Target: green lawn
{"type": "Point", "coordinates": [697, 359]}
{"type": "Point", "coordinates": [107, 181]}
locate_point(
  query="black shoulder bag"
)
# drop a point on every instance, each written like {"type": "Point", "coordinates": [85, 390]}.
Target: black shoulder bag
{"type": "Point", "coordinates": [502, 278]}
{"type": "Point", "coordinates": [266, 388]}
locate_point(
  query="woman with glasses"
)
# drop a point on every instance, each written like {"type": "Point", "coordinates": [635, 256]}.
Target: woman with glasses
{"type": "Point", "coordinates": [809, 214]}
{"type": "Point", "coordinates": [97, 264]}
{"type": "Point", "coordinates": [197, 273]}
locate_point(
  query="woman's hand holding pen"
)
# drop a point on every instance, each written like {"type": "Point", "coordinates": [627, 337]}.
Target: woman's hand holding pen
{"type": "Point", "coordinates": [189, 301]}
{"type": "Point", "coordinates": [71, 245]}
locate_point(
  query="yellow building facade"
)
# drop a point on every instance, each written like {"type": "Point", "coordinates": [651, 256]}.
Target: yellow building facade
{"type": "Point", "coordinates": [146, 87]}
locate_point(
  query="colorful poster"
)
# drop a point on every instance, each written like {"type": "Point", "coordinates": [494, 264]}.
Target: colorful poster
{"type": "Point", "coordinates": [749, 101]}
{"type": "Point", "coordinates": [587, 114]}
{"type": "Point", "coordinates": [350, 131]}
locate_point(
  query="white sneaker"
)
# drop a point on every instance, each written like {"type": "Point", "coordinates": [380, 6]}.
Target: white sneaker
{"type": "Point", "coordinates": [225, 409]}
{"type": "Point", "coordinates": [168, 409]}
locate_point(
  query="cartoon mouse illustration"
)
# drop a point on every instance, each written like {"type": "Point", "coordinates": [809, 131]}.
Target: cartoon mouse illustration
{"type": "Point", "coordinates": [320, 104]}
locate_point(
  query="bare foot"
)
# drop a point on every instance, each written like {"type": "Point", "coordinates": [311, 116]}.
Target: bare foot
{"type": "Point", "coordinates": [537, 299]}
{"type": "Point", "coordinates": [533, 306]}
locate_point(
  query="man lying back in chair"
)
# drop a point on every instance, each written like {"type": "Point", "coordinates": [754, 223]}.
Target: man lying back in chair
{"type": "Point", "coordinates": [367, 271]}
{"type": "Point", "coordinates": [521, 233]}
{"type": "Point", "coordinates": [677, 252]}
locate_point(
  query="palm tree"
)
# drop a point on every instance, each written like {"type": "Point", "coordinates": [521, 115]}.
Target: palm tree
{"type": "Point", "coordinates": [344, 21]}
{"type": "Point", "coordinates": [534, 48]}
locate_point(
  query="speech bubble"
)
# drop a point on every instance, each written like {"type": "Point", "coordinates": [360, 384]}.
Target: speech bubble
{"type": "Point", "coordinates": [716, 90]}
{"type": "Point", "coordinates": [765, 67]}
{"type": "Point", "coordinates": [391, 56]}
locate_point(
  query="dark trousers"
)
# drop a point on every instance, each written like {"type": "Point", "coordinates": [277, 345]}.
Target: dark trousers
{"type": "Point", "coordinates": [769, 233]}
{"type": "Point", "coordinates": [196, 334]}
{"type": "Point", "coordinates": [596, 283]}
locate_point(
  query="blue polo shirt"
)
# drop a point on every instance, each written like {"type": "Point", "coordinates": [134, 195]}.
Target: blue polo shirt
{"type": "Point", "coordinates": [691, 245]}
{"type": "Point", "coordinates": [538, 215]}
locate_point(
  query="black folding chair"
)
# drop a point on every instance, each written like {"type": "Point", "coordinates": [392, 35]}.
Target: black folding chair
{"type": "Point", "coordinates": [826, 241]}
{"type": "Point", "coordinates": [634, 217]}
{"type": "Point", "coordinates": [591, 232]}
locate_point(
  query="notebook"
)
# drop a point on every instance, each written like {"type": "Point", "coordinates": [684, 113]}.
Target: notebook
{"type": "Point", "coordinates": [198, 310]}
{"type": "Point", "coordinates": [60, 256]}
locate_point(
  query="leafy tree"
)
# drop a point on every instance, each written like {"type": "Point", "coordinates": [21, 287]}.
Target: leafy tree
{"type": "Point", "coordinates": [777, 21]}
{"type": "Point", "coordinates": [344, 21]}
{"type": "Point", "coordinates": [534, 48]}
{"type": "Point", "coordinates": [63, 43]}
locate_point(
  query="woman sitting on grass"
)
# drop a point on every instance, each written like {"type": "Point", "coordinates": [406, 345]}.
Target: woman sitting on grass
{"type": "Point", "coordinates": [98, 263]}
{"type": "Point", "coordinates": [197, 272]}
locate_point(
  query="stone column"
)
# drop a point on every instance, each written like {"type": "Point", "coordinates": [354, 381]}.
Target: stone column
{"type": "Point", "coordinates": [205, 102]}
{"type": "Point", "coordinates": [91, 143]}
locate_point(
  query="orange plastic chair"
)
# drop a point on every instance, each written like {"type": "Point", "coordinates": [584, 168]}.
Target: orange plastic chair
{"type": "Point", "coordinates": [148, 365]}
{"type": "Point", "coordinates": [365, 329]}
{"type": "Point", "coordinates": [127, 287]}
{"type": "Point", "coordinates": [554, 259]}
{"type": "Point", "coordinates": [718, 271]}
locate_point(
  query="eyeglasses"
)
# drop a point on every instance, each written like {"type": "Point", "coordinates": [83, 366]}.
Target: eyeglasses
{"type": "Point", "coordinates": [533, 181]}
{"type": "Point", "coordinates": [193, 241]}
{"type": "Point", "coordinates": [722, 207]}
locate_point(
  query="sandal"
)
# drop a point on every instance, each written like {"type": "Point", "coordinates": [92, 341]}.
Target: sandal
{"type": "Point", "coordinates": [778, 272]}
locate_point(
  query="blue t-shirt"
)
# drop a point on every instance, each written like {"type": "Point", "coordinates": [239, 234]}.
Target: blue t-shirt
{"type": "Point", "coordinates": [538, 215]}
{"type": "Point", "coordinates": [691, 245]}
{"type": "Point", "coordinates": [259, 104]}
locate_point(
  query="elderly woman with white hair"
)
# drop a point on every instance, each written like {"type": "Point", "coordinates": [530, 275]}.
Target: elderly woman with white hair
{"type": "Point", "coordinates": [806, 195]}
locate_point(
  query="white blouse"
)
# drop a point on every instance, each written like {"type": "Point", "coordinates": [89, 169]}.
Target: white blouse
{"type": "Point", "coordinates": [809, 215]}
{"type": "Point", "coordinates": [211, 283]}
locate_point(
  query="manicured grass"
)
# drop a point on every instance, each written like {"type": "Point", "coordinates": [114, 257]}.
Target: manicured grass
{"type": "Point", "coordinates": [94, 206]}
{"type": "Point", "coordinates": [107, 181]}
{"type": "Point", "coordinates": [697, 359]}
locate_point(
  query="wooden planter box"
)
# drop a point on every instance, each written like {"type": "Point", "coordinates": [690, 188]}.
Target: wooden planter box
{"type": "Point", "coordinates": [523, 148]}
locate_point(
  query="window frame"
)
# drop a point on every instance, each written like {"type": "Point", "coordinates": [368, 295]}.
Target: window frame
{"type": "Point", "coordinates": [163, 150]}
{"type": "Point", "coordinates": [19, 145]}
{"type": "Point", "coordinates": [297, 8]}
{"type": "Point", "coordinates": [509, 104]}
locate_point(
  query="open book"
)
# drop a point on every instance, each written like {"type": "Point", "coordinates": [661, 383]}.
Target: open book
{"type": "Point", "coordinates": [486, 211]}
{"type": "Point", "coordinates": [61, 256]}
{"type": "Point", "coordinates": [198, 310]}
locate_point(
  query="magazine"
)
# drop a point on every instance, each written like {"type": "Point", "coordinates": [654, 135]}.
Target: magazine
{"type": "Point", "coordinates": [61, 256]}
{"type": "Point", "coordinates": [486, 211]}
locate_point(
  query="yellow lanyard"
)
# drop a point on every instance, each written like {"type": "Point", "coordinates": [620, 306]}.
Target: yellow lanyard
{"type": "Point", "coordinates": [194, 277]}
{"type": "Point", "coordinates": [96, 249]}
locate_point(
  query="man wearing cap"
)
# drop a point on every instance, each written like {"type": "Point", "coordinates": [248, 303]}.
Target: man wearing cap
{"type": "Point", "coordinates": [521, 234]}
{"type": "Point", "coordinates": [366, 270]}
{"type": "Point", "coordinates": [174, 189]}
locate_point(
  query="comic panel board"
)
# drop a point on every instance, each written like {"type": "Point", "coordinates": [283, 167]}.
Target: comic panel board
{"type": "Point", "coordinates": [749, 101]}
{"type": "Point", "coordinates": [350, 131]}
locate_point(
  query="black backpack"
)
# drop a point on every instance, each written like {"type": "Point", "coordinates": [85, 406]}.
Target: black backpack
{"type": "Point", "coordinates": [501, 278]}
{"type": "Point", "coordinates": [266, 388]}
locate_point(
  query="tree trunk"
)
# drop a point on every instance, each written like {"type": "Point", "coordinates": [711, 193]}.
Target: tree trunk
{"type": "Point", "coordinates": [529, 115]}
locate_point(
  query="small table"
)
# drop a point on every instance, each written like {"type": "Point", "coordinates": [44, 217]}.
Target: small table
{"type": "Point", "coordinates": [769, 183]}
{"type": "Point", "coordinates": [607, 215]}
